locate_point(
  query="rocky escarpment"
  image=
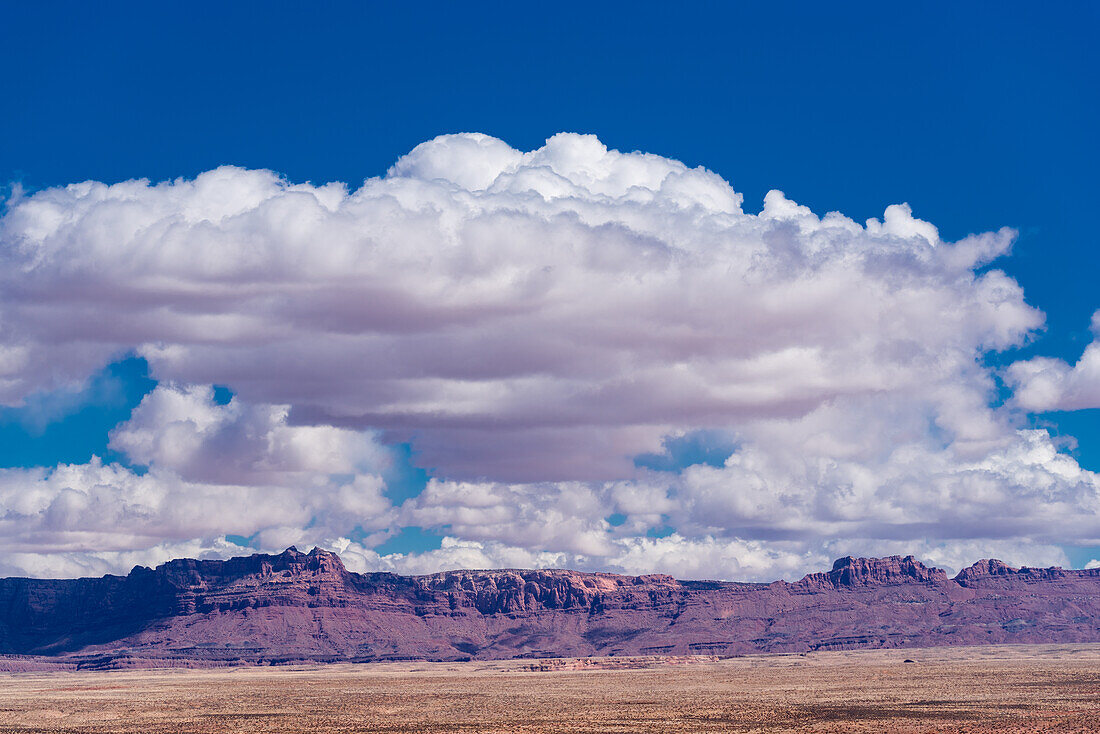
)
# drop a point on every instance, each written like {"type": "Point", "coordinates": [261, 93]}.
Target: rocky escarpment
{"type": "Point", "coordinates": [308, 607]}
{"type": "Point", "coordinates": [519, 592]}
{"type": "Point", "coordinates": [851, 572]}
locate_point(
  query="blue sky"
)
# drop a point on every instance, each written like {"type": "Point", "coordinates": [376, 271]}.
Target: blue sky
{"type": "Point", "coordinates": [978, 116]}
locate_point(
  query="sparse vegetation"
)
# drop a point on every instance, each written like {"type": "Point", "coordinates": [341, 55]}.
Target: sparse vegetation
{"type": "Point", "coordinates": [1025, 688]}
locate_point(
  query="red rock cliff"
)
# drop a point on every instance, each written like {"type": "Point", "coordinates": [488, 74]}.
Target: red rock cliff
{"type": "Point", "coordinates": [296, 606]}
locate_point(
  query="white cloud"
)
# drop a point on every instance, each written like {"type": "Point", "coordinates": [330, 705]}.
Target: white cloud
{"type": "Point", "coordinates": [512, 310]}
{"type": "Point", "coordinates": [1044, 384]}
{"type": "Point", "coordinates": [692, 559]}
{"type": "Point", "coordinates": [698, 558]}
{"type": "Point", "coordinates": [79, 563]}
{"type": "Point", "coordinates": [530, 322]}
{"type": "Point", "coordinates": [183, 429]}
{"type": "Point", "coordinates": [108, 507]}
{"type": "Point", "coordinates": [954, 556]}
{"type": "Point", "coordinates": [213, 470]}
{"type": "Point", "coordinates": [565, 516]}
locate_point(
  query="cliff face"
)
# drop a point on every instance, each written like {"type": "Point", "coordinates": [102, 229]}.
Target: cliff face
{"type": "Point", "coordinates": [855, 572]}
{"type": "Point", "coordinates": [295, 606]}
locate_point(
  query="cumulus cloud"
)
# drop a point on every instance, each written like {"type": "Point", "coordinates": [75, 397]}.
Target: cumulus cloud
{"type": "Point", "coordinates": [528, 316]}
{"type": "Point", "coordinates": [531, 322]}
{"type": "Point", "coordinates": [695, 558]}
{"type": "Point", "coordinates": [80, 563]}
{"type": "Point", "coordinates": [676, 555]}
{"type": "Point", "coordinates": [107, 507]}
{"type": "Point", "coordinates": [1044, 384]}
{"type": "Point", "coordinates": [185, 430]}
{"type": "Point", "coordinates": [213, 470]}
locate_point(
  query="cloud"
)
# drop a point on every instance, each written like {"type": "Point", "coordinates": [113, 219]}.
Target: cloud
{"type": "Point", "coordinates": [527, 316]}
{"type": "Point", "coordinates": [565, 516]}
{"type": "Point", "coordinates": [542, 327]}
{"type": "Point", "coordinates": [83, 563]}
{"type": "Point", "coordinates": [690, 559]}
{"type": "Point", "coordinates": [185, 430]}
{"type": "Point", "coordinates": [1044, 384]}
{"type": "Point", "coordinates": [213, 470]}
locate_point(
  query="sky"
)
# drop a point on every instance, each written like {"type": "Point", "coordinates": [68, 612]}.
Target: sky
{"type": "Point", "coordinates": [724, 291]}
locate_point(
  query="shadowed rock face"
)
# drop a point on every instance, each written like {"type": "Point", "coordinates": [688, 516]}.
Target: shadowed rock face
{"type": "Point", "coordinates": [854, 572]}
{"type": "Point", "coordinates": [296, 607]}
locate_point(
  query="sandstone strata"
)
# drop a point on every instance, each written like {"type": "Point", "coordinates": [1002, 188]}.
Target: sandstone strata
{"type": "Point", "coordinates": [308, 607]}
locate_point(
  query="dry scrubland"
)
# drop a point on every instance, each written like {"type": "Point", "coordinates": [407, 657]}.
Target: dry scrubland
{"type": "Point", "coordinates": [975, 689]}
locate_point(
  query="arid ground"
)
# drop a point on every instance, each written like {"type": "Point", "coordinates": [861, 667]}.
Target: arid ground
{"type": "Point", "coordinates": [972, 689]}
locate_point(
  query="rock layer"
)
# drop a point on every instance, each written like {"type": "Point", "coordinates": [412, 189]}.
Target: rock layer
{"type": "Point", "coordinates": [308, 607]}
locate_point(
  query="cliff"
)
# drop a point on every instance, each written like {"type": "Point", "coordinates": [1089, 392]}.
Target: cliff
{"type": "Point", "coordinates": [307, 607]}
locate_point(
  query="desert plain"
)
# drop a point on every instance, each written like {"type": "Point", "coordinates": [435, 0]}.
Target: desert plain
{"type": "Point", "coordinates": [1020, 688]}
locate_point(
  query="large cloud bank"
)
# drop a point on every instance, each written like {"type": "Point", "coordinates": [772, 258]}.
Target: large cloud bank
{"type": "Point", "coordinates": [532, 323]}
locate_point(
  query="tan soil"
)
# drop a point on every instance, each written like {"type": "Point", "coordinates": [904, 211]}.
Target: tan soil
{"type": "Point", "coordinates": [1024, 688]}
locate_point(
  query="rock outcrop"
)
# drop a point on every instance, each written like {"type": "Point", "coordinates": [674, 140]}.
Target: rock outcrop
{"type": "Point", "coordinates": [852, 572]}
{"type": "Point", "coordinates": [307, 607]}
